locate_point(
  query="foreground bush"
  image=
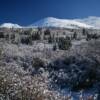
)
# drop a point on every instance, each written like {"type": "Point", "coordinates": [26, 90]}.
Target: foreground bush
{"type": "Point", "coordinates": [37, 63]}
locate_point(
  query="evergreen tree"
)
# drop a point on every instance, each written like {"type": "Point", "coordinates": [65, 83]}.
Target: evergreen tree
{"type": "Point", "coordinates": [54, 47]}
{"type": "Point", "coordinates": [75, 35]}
{"type": "Point", "coordinates": [36, 36]}
{"type": "Point", "coordinates": [50, 39]}
{"type": "Point", "coordinates": [84, 31]}
{"type": "Point", "coordinates": [64, 44]}
{"type": "Point", "coordinates": [47, 32]}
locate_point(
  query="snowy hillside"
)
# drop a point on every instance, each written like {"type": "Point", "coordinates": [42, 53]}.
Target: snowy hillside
{"type": "Point", "coordinates": [92, 20]}
{"type": "Point", "coordinates": [60, 23]}
{"type": "Point", "coordinates": [10, 25]}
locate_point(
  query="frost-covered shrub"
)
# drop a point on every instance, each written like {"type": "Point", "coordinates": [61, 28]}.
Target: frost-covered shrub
{"type": "Point", "coordinates": [70, 60]}
{"type": "Point", "coordinates": [12, 36]}
{"type": "Point", "coordinates": [16, 84]}
{"type": "Point", "coordinates": [75, 72]}
{"type": "Point", "coordinates": [37, 63]}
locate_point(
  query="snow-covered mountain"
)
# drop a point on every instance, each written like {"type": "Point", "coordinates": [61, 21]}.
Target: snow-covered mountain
{"type": "Point", "coordinates": [10, 25]}
{"type": "Point", "coordinates": [89, 22]}
{"type": "Point", "coordinates": [92, 20]}
{"type": "Point", "coordinates": [60, 23]}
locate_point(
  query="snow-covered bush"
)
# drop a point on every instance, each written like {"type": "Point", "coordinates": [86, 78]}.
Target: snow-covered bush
{"type": "Point", "coordinates": [37, 63]}
{"type": "Point", "coordinates": [75, 72]}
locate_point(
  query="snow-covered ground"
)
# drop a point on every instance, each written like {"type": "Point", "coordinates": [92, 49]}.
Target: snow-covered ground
{"type": "Point", "coordinates": [79, 42]}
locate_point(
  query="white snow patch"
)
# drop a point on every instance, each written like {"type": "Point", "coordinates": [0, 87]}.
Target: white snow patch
{"type": "Point", "coordinates": [10, 25]}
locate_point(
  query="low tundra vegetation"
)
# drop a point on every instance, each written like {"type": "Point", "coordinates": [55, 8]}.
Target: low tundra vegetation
{"type": "Point", "coordinates": [38, 65]}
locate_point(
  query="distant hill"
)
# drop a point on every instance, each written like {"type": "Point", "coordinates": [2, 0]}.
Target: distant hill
{"type": "Point", "coordinates": [60, 23]}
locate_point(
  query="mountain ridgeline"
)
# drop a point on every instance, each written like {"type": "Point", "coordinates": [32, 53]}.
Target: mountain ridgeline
{"type": "Point", "coordinates": [90, 22]}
